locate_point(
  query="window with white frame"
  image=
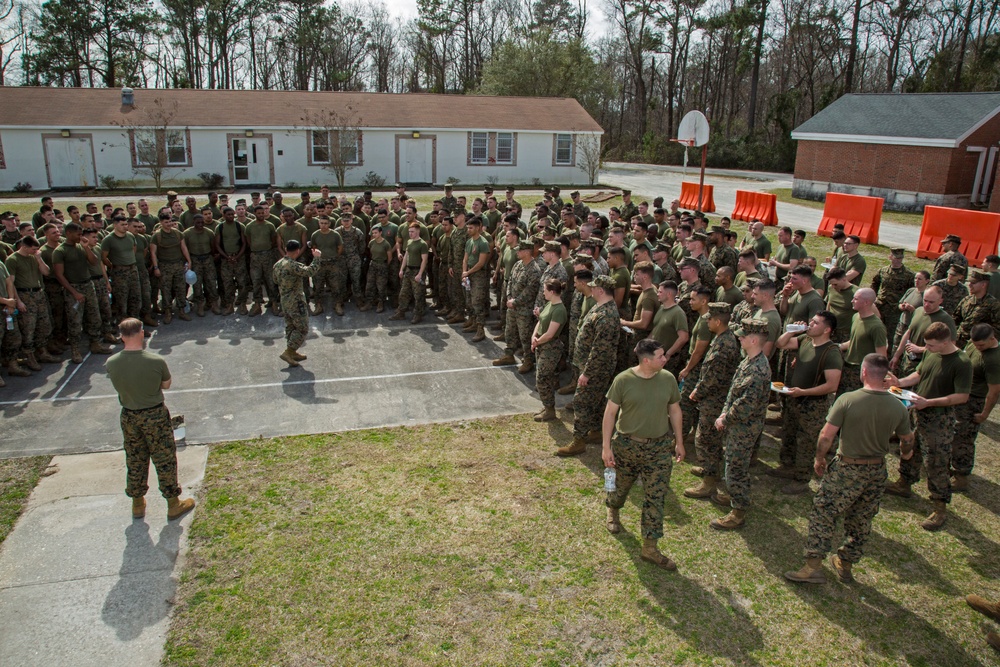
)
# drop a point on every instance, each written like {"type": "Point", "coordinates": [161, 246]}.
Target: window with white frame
{"type": "Point", "coordinates": [564, 149]}
{"type": "Point", "coordinates": [349, 147]}
{"type": "Point", "coordinates": [479, 149]}
{"type": "Point", "coordinates": [144, 144]}
{"type": "Point", "coordinates": [176, 147]}
{"type": "Point", "coordinates": [320, 147]}
{"type": "Point", "coordinates": [505, 147]}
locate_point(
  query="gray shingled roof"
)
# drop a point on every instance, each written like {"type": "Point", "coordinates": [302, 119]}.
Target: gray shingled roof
{"type": "Point", "coordinates": [918, 115]}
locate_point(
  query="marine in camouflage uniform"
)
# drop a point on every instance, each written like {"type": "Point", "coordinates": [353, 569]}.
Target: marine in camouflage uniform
{"type": "Point", "coordinates": [985, 374]}
{"type": "Point", "coordinates": [743, 420]}
{"type": "Point", "coordinates": [717, 370]}
{"type": "Point", "coordinates": [951, 295]}
{"type": "Point", "coordinates": [289, 276]}
{"type": "Point", "coordinates": [951, 257]}
{"type": "Point", "coordinates": [595, 357]}
{"type": "Point", "coordinates": [890, 284]}
{"type": "Point", "coordinates": [522, 287]}
{"type": "Point", "coordinates": [977, 308]}
{"type": "Point", "coordinates": [354, 251]}
{"type": "Point", "coordinates": [456, 291]}
{"type": "Point", "coordinates": [724, 255]}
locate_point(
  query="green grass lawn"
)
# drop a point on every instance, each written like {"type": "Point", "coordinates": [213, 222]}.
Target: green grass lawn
{"type": "Point", "coordinates": [785, 195]}
{"type": "Point", "coordinates": [471, 544]}
{"type": "Point", "coordinates": [17, 478]}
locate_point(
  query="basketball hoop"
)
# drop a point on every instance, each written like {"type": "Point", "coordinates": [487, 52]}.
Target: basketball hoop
{"type": "Point", "coordinates": [693, 131]}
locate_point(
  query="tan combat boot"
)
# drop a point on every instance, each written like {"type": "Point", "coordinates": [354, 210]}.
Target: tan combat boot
{"type": "Point", "coordinates": [505, 360]}
{"type": "Point", "coordinates": [720, 497]}
{"type": "Point", "coordinates": [457, 318]}
{"type": "Point", "coordinates": [782, 472]}
{"type": "Point", "coordinates": [177, 507]}
{"type": "Point", "coordinates": [96, 347]}
{"type": "Point", "coordinates": [30, 362]}
{"type": "Point", "coordinates": [216, 310]}
{"type": "Point", "coordinates": [578, 446]}
{"type": "Point", "coordinates": [184, 316]}
{"type": "Point", "coordinates": [697, 471]}
{"type": "Point", "coordinates": [546, 415]}
{"type": "Point", "coordinates": [254, 312]}
{"type": "Point", "coordinates": [75, 357]}
{"type": "Point", "coordinates": [110, 338]}
{"type": "Point", "coordinates": [937, 518]}
{"type": "Point", "coordinates": [993, 639]}
{"type": "Point", "coordinates": [811, 573]}
{"type": "Point", "coordinates": [500, 338]}
{"type": "Point", "coordinates": [150, 321]}
{"type": "Point", "coordinates": [42, 355]}
{"type": "Point", "coordinates": [614, 523]}
{"type": "Point", "coordinates": [416, 319]}
{"type": "Point", "coordinates": [168, 315]}
{"type": "Point", "coordinates": [703, 490]}
{"type": "Point", "coordinates": [470, 326]}
{"type": "Point", "coordinates": [735, 519]}
{"type": "Point", "coordinates": [288, 356]}
{"type": "Point", "coordinates": [526, 367]}
{"type": "Point", "coordinates": [398, 315]}
{"type": "Point", "coordinates": [15, 370]}
{"type": "Point", "coordinates": [651, 554]}
{"type": "Point", "coordinates": [364, 307]}
{"type": "Point", "coordinates": [138, 507]}
{"type": "Point", "coordinates": [200, 309]}
{"type": "Point", "coordinates": [899, 488]}
{"type": "Point", "coordinates": [298, 357]}
{"type": "Point", "coordinates": [380, 307]}
{"type": "Point", "coordinates": [567, 390]}
{"type": "Point", "coordinates": [842, 568]}
{"type": "Point", "coordinates": [55, 347]}
{"type": "Point", "coordinates": [984, 606]}
{"type": "Point", "coordinates": [242, 309]}
{"type": "Point", "coordinates": [959, 483]}
{"type": "Point", "coordinates": [338, 308]}
{"type": "Point", "coordinates": [480, 334]}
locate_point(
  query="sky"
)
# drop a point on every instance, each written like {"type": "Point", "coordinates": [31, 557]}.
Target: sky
{"type": "Point", "coordinates": [408, 9]}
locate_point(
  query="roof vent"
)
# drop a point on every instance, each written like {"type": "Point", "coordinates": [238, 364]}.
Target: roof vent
{"type": "Point", "coordinates": [128, 97]}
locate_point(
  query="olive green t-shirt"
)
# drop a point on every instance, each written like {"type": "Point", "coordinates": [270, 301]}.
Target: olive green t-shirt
{"type": "Point", "coordinates": [552, 313]}
{"type": "Point", "coordinates": [588, 303]}
{"type": "Point", "coordinates": [329, 244]}
{"type": "Point", "coordinates": [784, 255]}
{"type": "Point", "coordinates": [293, 232]}
{"type": "Point", "coordinates": [647, 301]}
{"type": "Point", "coordinates": [379, 250]}
{"type": "Point", "coordinates": [856, 263]}
{"type": "Point", "coordinates": [120, 249]}
{"type": "Point", "coordinates": [137, 375]}
{"type": "Point", "coordinates": [867, 335]}
{"type": "Point", "coordinates": [773, 318]}
{"type": "Point", "coordinates": [168, 246]}
{"type": "Point", "coordinates": [414, 250]}
{"type": "Point", "coordinates": [807, 363]}
{"type": "Point", "coordinates": [666, 324]}
{"type": "Point", "coordinates": [985, 369]}
{"type": "Point", "coordinates": [261, 235]}
{"type": "Point", "coordinates": [762, 247]}
{"type": "Point", "coordinates": [622, 278]}
{"type": "Point", "coordinates": [802, 307]}
{"type": "Point", "coordinates": [199, 243]}
{"type": "Point", "coordinates": [25, 270]}
{"type": "Point", "coordinates": [644, 403]}
{"type": "Point", "coordinates": [838, 302]}
{"type": "Point", "coordinates": [141, 245]}
{"type": "Point", "coordinates": [700, 332]}
{"type": "Point", "coordinates": [229, 235]}
{"type": "Point", "coordinates": [149, 220]}
{"type": "Point", "coordinates": [942, 375]}
{"type": "Point", "coordinates": [921, 320]}
{"type": "Point", "coordinates": [733, 296]}
{"type": "Point", "coordinates": [76, 268]}
{"type": "Point", "coordinates": [867, 419]}
{"type": "Point", "coordinates": [474, 248]}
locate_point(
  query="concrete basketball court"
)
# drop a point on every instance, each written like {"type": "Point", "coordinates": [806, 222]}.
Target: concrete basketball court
{"type": "Point", "coordinates": [363, 371]}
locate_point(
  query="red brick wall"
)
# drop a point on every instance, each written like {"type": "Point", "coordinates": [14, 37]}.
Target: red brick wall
{"type": "Point", "coordinates": [909, 168]}
{"type": "Point", "coordinates": [995, 195]}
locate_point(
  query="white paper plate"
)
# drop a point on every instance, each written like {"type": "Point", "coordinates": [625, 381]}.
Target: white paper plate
{"type": "Point", "coordinates": [904, 395]}
{"type": "Point", "coordinates": [782, 390]}
{"type": "Point", "coordinates": [828, 265]}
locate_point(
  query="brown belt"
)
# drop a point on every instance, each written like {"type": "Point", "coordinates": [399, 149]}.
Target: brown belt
{"type": "Point", "coordinates": [862, 462]}
{"type": "Point", "coordinates": [644, 441]}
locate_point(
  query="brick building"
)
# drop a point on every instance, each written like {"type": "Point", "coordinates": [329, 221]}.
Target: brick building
{"type": "Point", "coordinates": [909, 149]}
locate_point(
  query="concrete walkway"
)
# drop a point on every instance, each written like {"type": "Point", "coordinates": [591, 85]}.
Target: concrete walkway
{"type": "Point", "coordinates": [81, 582]}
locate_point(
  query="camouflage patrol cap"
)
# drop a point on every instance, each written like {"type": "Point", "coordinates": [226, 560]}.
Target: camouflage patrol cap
{"type": "Point", "coordinates": [952, 238]}
{"type": "Point", "coordinates": [750, 326]}
{"type": "Point", "coordinates": [606, 283]}
{"type": "Point", "coordinates": [698, 236]}
{"type": "Point", "coordinates": [977, 275]}
{"type": "Point", "coordinates": [627, 192]}
{"type": "Point", "coordinates": [583, 258]}
{"type": "Point", "coordinates": [689, 262]}
{"type": "Point", "coordinates": [552, 246]}
{"type": "Point", "coordinates": [719, 308]}
{"type": "Point", "coordinates": [661, 247]}
{"type": "Point", "coordinates": [897, 252]}
{"type": "Point", "coordinates": [525, 245]}
{"type": "Point", "coordinates": [958, 269]}
{"type": "Point", "coordinates": [587, 243]}
{"type": "Point", "coordinates": [572, 234]}
{"type": "Point", "coordinates": [574, 194]}
{"type": "Point", "coordinates": [716, 229]}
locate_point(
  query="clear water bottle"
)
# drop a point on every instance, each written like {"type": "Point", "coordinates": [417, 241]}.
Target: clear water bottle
{"type": "Point", "coordinates": [187, 306]}
{"type": "Point", "coordinates": [609, 480]}
{"type": "Point", "coordinates": [10, 322]}
{"type": "Point", "coordinates": [109, 297]}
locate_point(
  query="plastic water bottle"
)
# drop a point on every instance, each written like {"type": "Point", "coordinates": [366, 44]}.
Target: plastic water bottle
{"type": "Point", "coordinates": [187, 306]}
{"type": "Point", "coordinates": [10, 322]}
{"type": "Point", "coordinates": [109, 297]}
{"type": "Point", "coordinates": [609, 480]}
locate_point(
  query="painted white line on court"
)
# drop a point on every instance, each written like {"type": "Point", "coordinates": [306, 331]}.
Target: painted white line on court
{"type": "Point", "coordinates": [266, 385]}
{"type": "Point", "coordinates": [70, 378]}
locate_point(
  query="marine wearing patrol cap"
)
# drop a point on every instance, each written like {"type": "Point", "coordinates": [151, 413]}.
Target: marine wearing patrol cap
{"type": "Point", "coordinates": [719, 308]}
{"type": "Point", "coordinates": [751, 326]}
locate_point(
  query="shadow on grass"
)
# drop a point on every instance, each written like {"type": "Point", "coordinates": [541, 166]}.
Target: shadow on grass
{"type": "Point", "coordinates": [860, 610]}
{"type": "Point", "coordinates": [684, 607]}
{"type": "Point", "coordinates": [985, 493]}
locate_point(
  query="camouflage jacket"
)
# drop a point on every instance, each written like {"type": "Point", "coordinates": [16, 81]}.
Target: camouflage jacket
{"type": "Point", "coordinates": [724, 255]}
{"type": "Point", "coordinates": [746, 402]}
{"type": "Point", "coordinates": [972, 311]}
{"type": "Point", "coordinates": [717, 368]}
{"type": "Point", "coordinates": [945, 262]}
{"type": "Point", "coordinates": [597, 342]}
{"type": "Point", "coordinates": [557, 271]}
{"type": "Point", "coordinates": [891, 284]}
{"type": "Point", "coordinates": [288, 275]}
{"type": "Point", "coordinates": [522, 286]}
{"type": "Point", "coordinates": [458, 239]}
{"type": "Point", "coordinates": [952, 295]}
{"type": "Point", "coordinates": [354, 242]}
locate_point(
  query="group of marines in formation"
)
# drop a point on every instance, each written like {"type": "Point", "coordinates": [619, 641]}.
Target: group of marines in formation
{"type": "Point", "coordinates": [605, 301]}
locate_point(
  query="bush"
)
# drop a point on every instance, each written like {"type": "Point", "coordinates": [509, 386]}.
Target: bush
{"type": "Point", "coordinates": [109, 182]}
{"type": "Point", "coordinates": [23, 187]}
{"type": "Point", "coordinates": [536, 181]}
{"type": "Point", "coordinates": [211, 181]}
{"type": "Point", "coordinates": [493, 179]}
{"type": "Point", "coordinates": [373, 181]}
{"type": "Point", "coordinates": [451, 180]}
{"type": "Point", "coordinates": [291, 185]}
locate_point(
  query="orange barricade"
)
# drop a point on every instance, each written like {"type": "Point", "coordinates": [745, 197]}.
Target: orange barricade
{"type": "Point", "coordinates": [859, 214]}
{"type": "Point", "coordinates": [979, 231]}
{"type": "Point", "coordinates": [756, 206]}
{"type": "Point", "coordinates": [689, 197]}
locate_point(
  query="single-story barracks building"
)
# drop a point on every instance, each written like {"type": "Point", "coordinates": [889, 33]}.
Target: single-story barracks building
{"type": "Point", "coordinates": [72, 137]}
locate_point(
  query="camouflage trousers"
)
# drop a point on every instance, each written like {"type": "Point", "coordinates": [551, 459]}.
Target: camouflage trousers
{"type": "Point", "coordinates": [145, 292]}
{"type": "Point", "coordinates": [330, 280]}
{"type": "Point", "coordinates": [394, 283]}
{"type": "Point", "coordinates": [709, 442]}
{"type": "Point", "coordinates": [206, 287]}
{"type": "Point", "coordinates": [296, 321]}
{"type": "Point", "coordinates": [653, 461]}
{"type": "Point", "coordinates": [10, 340]}
{"type": "Point", "coordinates": [54, 294]}
{"type": "Point", "coordinates": [440, 290]}
{"type": "Point", "coordinates": [677, 363]}
{"type": "Point", "coordinates": [36, 327]}
{"type": "Point", "coordinates": [80, 316]}
{"type": "Point", "coordinates": [851, 490]}
{"type": "Point", "coordinates": [103, 291]}
{"type": "Point", "coordinates": [413, 291]}
{"type": "Point", "coordinates": [740, 442]}
{"type": "Point", "coordinates": [502, 302]}
{"type": "Point", "coordinates": [689, 409]}
{"type": "Point", "coordinates": [963, 446]}
{"type": "Point", "coordinates": [803, 418]}
{"type": "Point", "coordinates": [378, 282]}
{"type": "Point", "coordinates": [517, 333]}
{"type": "Point", "coordinates": [547, 371]}
{"type": "Point", "coordinates": [261, 266]}
{"type": "Point", "coordinates": [850, 379]}
{"type": "Point", "coordinates": [588, 405]}
{"type": "Point", "coordinates": [934, 430]}
{"type": "Point", "coordinates": [456, 292]}
{"type": "Point", "coordinates": [149, 435]}
{"type": "Point", "coordinates": [626, 342]}
{"type": "Point", "coordinates": [479, 296]}
{"type": "Point", "coordinates": [126, 299]}
{"type": "Point", "coordinates": [353, 272]}
{"type": "Point", "coordinates": [235, 282]}
{"type": "Point", "coordinates": [172, 285]}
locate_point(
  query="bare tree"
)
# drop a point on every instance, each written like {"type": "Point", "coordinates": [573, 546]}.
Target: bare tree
{"type": "Point", "coordinates": [334, 139]}
{"type": "Point", "coordinates": [155, 142]}
{"type": "Point", "coordinates": [589, 156]}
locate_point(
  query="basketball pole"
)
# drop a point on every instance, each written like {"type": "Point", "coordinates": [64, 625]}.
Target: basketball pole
{"type": "Point", "coordinates": [701, 180]}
